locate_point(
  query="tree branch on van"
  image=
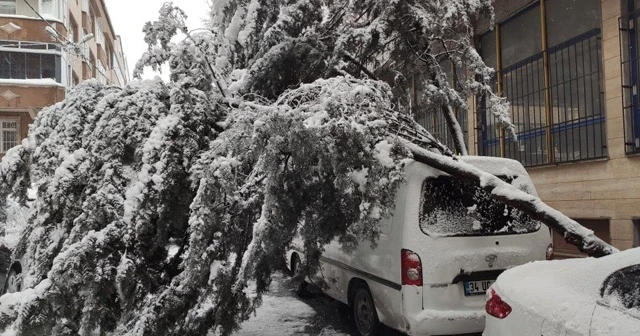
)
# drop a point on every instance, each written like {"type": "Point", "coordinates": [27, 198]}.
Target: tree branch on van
{"type": "Point", "coordinates": [574, 233]}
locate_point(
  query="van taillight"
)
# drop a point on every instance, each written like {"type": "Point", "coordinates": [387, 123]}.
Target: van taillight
{"type": "Point", "coordinates": [411, 268]}
{"type": "Point", "coordinates": [495, 306]}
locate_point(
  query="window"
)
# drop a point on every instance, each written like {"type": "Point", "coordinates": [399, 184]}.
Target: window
{"type": "Point", "coordinates": [30, 65]}
{"type": "Point", "coordinates": [30, 60]}
{"type": "Point", "coordinates": [621, 291]}
{"type": "Point", "coordinates": [92, 20]}
{"type": "Point", "coordinates": [453, 207]}
{"type": "Point", "coordinates": [9, 134]}
{"type": "Point", "coordinates": [18, 65]}
{"type": "Point", "coordinates": [520, 37]}
{"type": "Point", "coordinates": [73, 32]}
{"type": "Point", "coordinates": [630, 44]}
{"type": "Point", "coordinates": [92, 61]}
{"type": "Point", "coordinates": [553, 83]}
{"type": "Point", "coordinates": [101, 73]}
{"type": "Point", "coordinates": [48, 7]}
{"type": "Point", "coordinates": [54, 8]}
{"type": "Point", "coordinates": [8, 7]}
{"type": "Point", "coordinates": [99, 34]}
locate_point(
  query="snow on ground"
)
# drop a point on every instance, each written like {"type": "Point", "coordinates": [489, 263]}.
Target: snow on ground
{"type": "Point", "coordinates": [282, 313]}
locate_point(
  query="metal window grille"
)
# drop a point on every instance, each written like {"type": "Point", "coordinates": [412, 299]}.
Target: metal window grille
{"type": "Point", "coordinates": [430, 116]}
{"type": "Point", "coordinates": [8, 135]}
{"type": "Point", "coordinates": [630, 62]}
{"type": "Point", "coordinates": [577, 104]}
{"type": "Point", "coordinates": [523, 85]}
{"type": "Point", "coordinates": [574, 124]}
{"type": "Point", "coordinates": [433, 121]}
{"type": "Point", "coordinates": [488, 140]}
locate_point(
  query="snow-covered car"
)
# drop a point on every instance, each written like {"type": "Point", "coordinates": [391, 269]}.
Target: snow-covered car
{"type": "Point", "coordinates": [445, 244]}
{"type": "Point", "coordinates": [575, 297]}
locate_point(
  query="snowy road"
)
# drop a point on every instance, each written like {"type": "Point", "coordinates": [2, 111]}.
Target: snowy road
{"type": "Point", "coordinates": [284, 314]}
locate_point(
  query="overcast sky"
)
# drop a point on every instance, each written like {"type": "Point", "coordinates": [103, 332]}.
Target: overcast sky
{"type": "Point", "coordinates": [128, 17]}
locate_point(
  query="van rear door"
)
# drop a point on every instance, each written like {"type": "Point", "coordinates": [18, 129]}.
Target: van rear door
{"type": "Point", "coordinates": [465, 240]}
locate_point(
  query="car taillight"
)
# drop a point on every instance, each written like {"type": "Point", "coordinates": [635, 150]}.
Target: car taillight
{"type": "Point", "coordinates": [495, 306]}
{"type": "Point", "coordinates": [550, 252]}
{"type": "Point", "coordinates": [411, 268]}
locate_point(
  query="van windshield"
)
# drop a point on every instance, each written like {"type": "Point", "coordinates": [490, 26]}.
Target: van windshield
{"type": "Point", "coordinates": [454, 207]}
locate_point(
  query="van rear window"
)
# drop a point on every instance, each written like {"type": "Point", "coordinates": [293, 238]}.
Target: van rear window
{"type": "Point", "coordinates": [454, 207]}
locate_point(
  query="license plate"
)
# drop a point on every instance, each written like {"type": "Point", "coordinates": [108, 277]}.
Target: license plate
{"type": "Point", "coordinates": [478, 287]}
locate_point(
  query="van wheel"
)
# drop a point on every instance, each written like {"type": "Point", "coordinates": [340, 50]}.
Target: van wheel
{"type": "Point", "coordinates": [14, 282]}
{"type": "Point", "coordinates": [364, 312]}
{"type": "Point", "coordinates": [301, 286]}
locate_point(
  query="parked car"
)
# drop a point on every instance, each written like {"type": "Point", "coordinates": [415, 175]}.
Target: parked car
{"type": "Point", "coordinates": [445, 244]}
{"type": "Point", "coordinates": [590, 297]}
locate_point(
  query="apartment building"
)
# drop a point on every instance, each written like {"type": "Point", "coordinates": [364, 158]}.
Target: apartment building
{"type": "Point", "coordinates": [570, 69]}
{"type": "Point", "coordinates": [36, 68]}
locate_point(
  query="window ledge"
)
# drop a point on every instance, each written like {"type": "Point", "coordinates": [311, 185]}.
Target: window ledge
{"type": "Point", "coordinates": [30, 82]}
{"type": "Point", "coordinates": [569, 163]}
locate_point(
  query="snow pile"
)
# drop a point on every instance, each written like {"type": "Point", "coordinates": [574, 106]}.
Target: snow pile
{"type": "Point", "coordinates": [278, 316]}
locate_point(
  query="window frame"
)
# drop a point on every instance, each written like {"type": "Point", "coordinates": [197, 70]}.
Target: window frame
{"type": "Point", "coordinates": [4, 119]}
{"type": "Point", "coordinates": [32, 48]}
{"type": "Point", "coordinates": [10, 4]}
{"type": "Point", "coordinates": [630, 64]}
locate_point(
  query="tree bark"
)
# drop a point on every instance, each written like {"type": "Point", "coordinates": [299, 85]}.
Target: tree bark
{"type": "Point", "coordinates": [572, 232]}
{"type": "Point", "coordinates": [455, 130]}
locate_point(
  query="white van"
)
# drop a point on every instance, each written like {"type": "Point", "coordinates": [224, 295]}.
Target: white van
{"type": "Point", "coordinates": [446, 242]}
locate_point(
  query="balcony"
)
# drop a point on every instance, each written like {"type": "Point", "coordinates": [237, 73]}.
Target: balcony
{"type": "Point", "coordinates": [27, 29]}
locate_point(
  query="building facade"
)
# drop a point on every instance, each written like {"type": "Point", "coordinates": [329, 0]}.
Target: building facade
{"type": "Point", "coordinates": [36, 68]}
{"type": "Point", "coordinates": [570, 69]}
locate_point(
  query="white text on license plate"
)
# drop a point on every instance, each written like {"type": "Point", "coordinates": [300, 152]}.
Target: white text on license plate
{"type": "Point", "coordinates": [478, 287]}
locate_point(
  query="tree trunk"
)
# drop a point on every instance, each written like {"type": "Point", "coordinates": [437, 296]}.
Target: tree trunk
{"type": "Point", "coordinates": [455, 130]}
{"type": "Point", "coordinates": [572, 232]}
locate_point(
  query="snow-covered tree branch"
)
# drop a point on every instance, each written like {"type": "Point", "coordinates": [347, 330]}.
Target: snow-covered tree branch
{"type": "Point", "coordinates": [574, 233]}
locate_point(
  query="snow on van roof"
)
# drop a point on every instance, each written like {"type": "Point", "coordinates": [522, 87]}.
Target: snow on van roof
{"type": "Point", "coordinates": [495, 165]}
